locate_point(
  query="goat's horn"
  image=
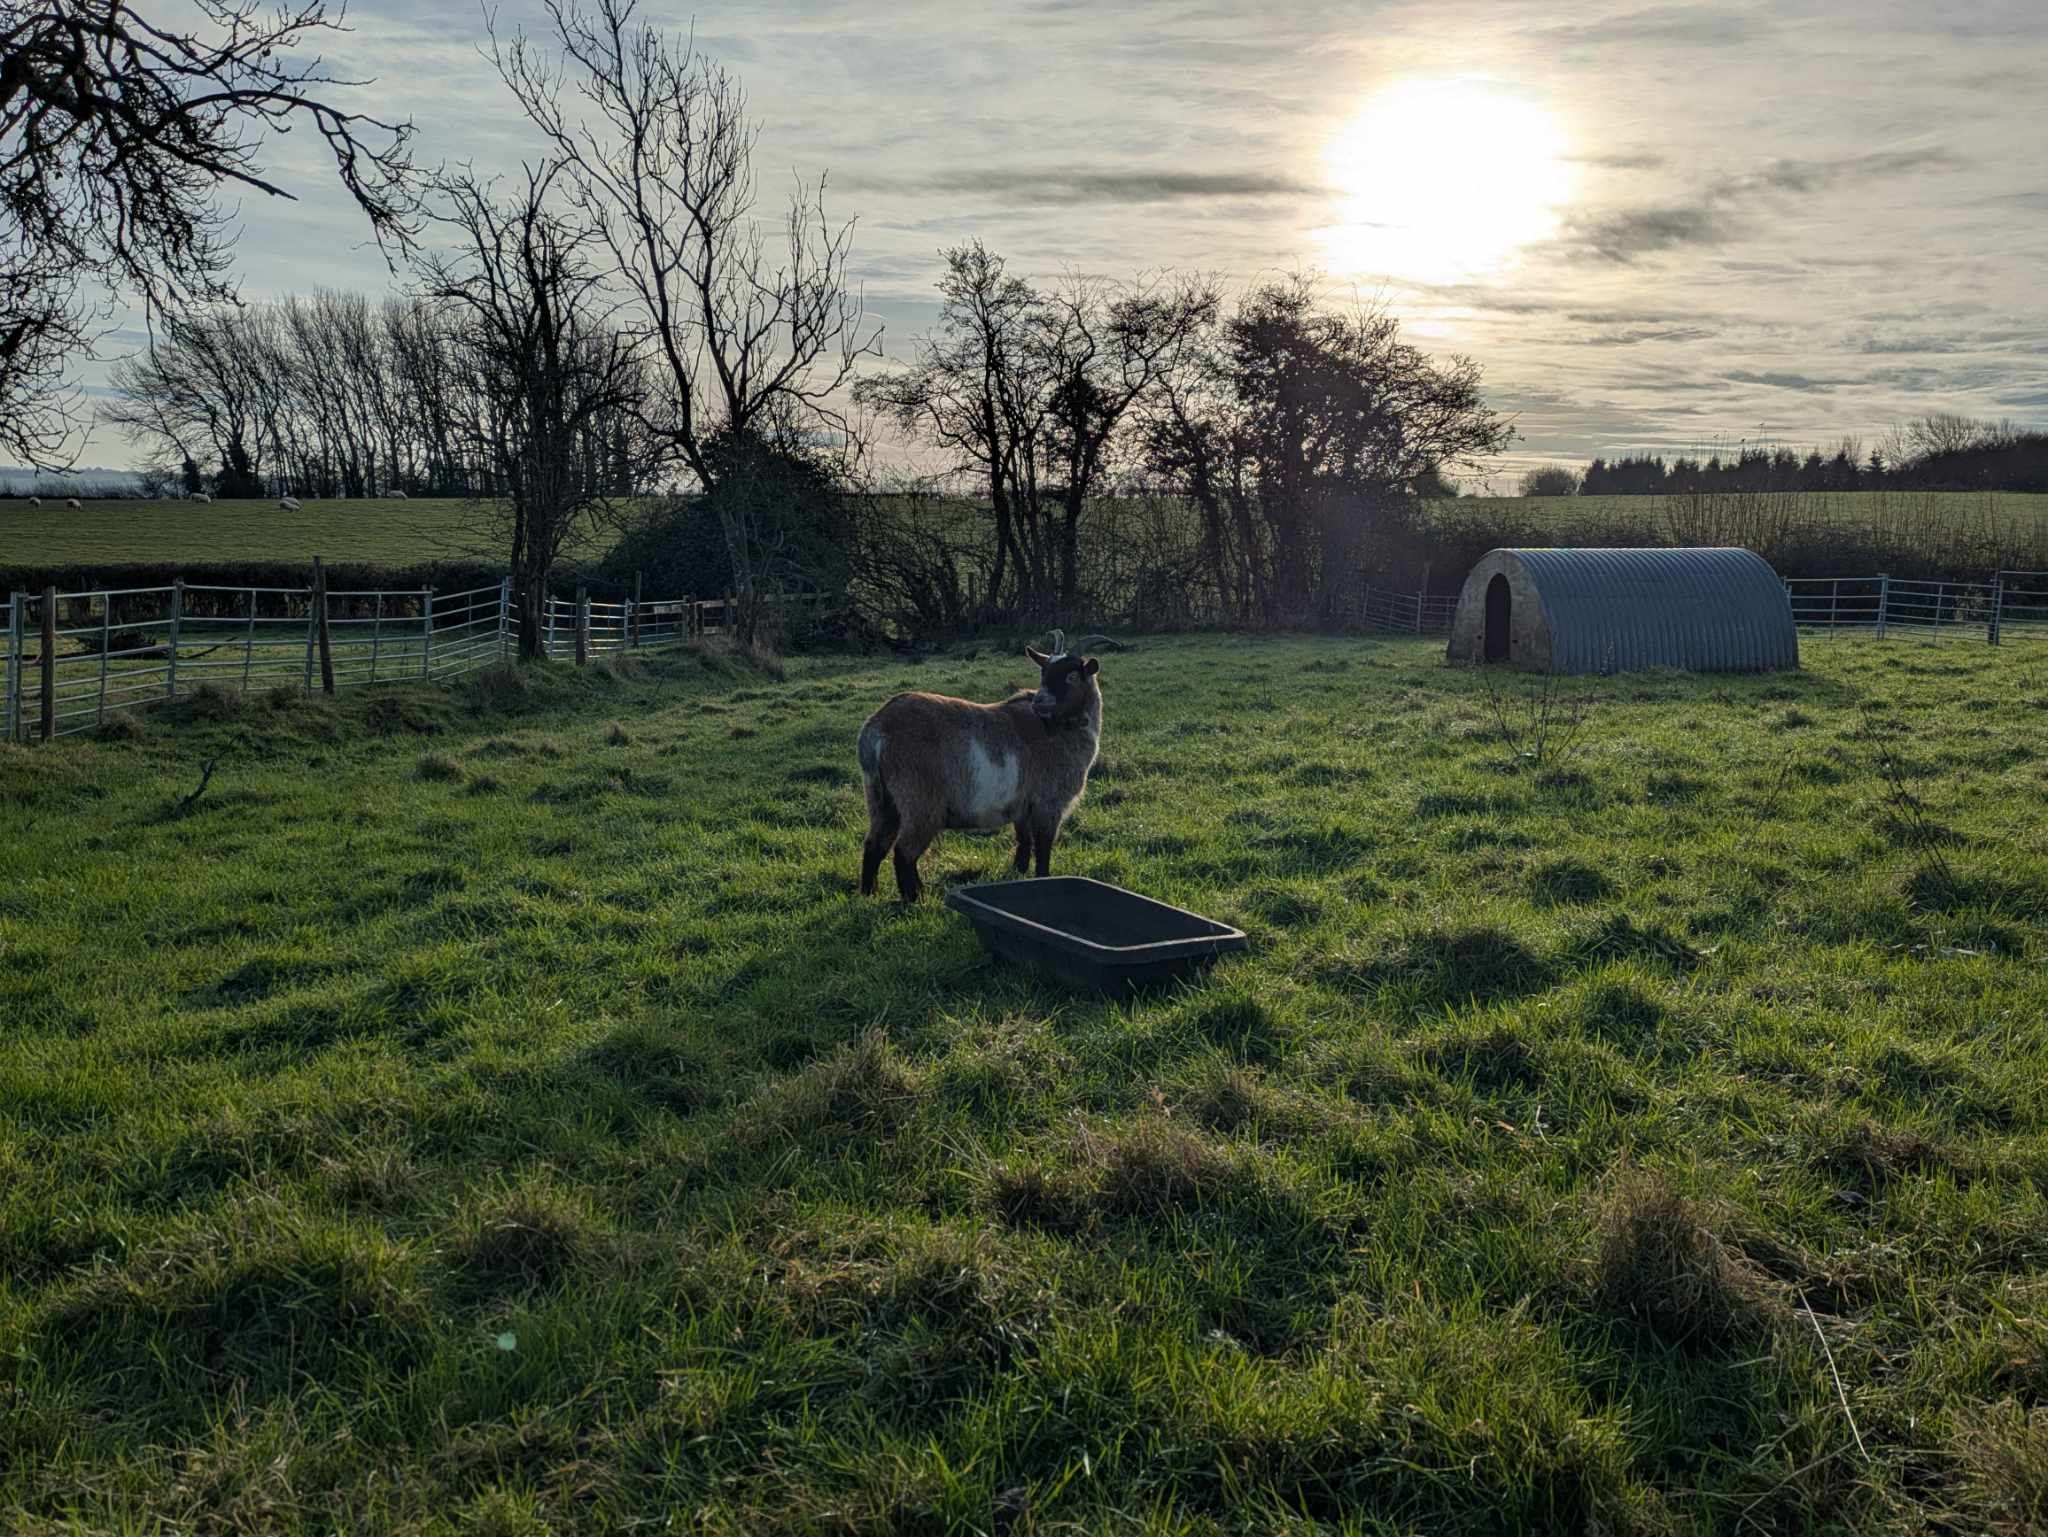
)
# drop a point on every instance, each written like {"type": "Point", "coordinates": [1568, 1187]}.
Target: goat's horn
{"type": "Point", "coordinates": [1097, 642]}
{"type": "Point", "coordinates": [1059, 642]}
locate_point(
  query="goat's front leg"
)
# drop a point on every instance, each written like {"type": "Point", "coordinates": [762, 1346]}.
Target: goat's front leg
{"type": "Point", "coordinates": [1022, 861]}
{"type": "Point", "coordinates": [1042, 845]}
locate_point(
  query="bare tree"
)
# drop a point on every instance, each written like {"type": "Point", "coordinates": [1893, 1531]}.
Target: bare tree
{"type": "Point", "coordinates": [1030, 391]}
{"type": "Point", "coordinates": [751, 323]}
{"type": "Point", "coordinates": [117, 133]}
{"type": "Point", "coordinates": [1302, 430]}
{"type": "Point", "coordinates": [551, 365]}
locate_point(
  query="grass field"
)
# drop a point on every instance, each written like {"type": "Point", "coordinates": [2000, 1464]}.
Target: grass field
{"type": "Point", "coordinates": [494, 1111]}
{"type": "Point", "coordinates": [396, 532]}
{"type": "Point", "coordinates": [421, 531]}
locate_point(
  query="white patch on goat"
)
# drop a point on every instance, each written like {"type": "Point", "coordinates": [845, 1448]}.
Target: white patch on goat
{"type": "Point", "coordinates": [991, 787]}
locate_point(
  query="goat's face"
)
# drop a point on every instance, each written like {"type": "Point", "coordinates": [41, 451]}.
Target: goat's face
{"type": "Point", "coordinates": [1066, 686]}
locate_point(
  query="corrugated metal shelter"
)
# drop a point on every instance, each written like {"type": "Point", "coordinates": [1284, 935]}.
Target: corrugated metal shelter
{"type": "Point", "coordinates": [1580, 611]}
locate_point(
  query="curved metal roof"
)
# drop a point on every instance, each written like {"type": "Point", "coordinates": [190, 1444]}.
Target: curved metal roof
{"type": "Point", "coordinates": [1706, 610]}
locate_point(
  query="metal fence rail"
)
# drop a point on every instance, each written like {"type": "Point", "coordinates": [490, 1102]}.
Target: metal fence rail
{"type": "Point", "coordinates": [73, 659]}
{"type": "Point", "coordinates": [2022, 606]}
{"type": "Point", "coordinates": [1882, 604]}
{"type": "Point", "coordinates": [1838, 602]}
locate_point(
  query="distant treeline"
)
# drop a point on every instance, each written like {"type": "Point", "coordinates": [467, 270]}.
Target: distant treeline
{"type": "Point", "coordinates": [1936, 453]}
{"type": "Point", "coordinates": [330, 395]}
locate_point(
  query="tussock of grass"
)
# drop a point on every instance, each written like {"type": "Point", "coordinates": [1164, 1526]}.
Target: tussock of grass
{"type": "Point", "coordinates": [615, 736]}
{"type": "Point", "coordinates": [862, 1089]}
{"type": "Point", "coordinates": [1451, 965]}
{"type": "Point", "coordinates": [119, 726]}
{"type": "Point", "coordinates": [1662, 1266]}
{"type": "Point", "coordinates": [438, 768]}
{"type": "Point", "coordinates": [212, 701]}
{"type": "Point", "coordinates": [523, 1241]}
{"type": "Point", "coordinates": [2003, 1450]}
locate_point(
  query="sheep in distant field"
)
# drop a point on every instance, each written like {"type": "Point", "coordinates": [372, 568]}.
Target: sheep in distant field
{"type": "Point", "coordinates": [930, 763]}
{"type": "Point", "coordinates": [35, 501]}
{"type": "Point", "coordinates": [71, 502]}
{"type": "Point", "coordinates": [395, 496]}
{"type": "Point", "coordinates": [288, 503]}
{"type": "Point", "coordinates": [198, 496]}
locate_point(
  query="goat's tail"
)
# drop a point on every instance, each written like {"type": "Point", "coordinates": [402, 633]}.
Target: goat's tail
{"type": "Point", "coordinates": [868, 748]}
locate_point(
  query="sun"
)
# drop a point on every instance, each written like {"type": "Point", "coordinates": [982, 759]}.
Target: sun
{"type": "Point", "coordinates": [1444, 180]}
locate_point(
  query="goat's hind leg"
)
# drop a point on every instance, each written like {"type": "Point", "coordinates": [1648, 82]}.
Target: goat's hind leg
{"type": "Point", "coordinates": [883, 825]}
{"type": "Point", "coordinates": [1022, 861]}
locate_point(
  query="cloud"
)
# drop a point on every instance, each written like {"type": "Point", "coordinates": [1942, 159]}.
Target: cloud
{"type": "Point", "coordinates": [1622, 161]}
{"type": "Point", "coordinates": [1068, 186]}
{"type": "Point", "coordinates": [1682, 26]}
{"type": "Point", "coordinates": [1715, 217]}
{"type": "Point", "coordinates": [1797, 382]}
{"type": "Point", "coordinates": [1813, 175]}
{"type": "Point", "coordinates": [1633, 233]}
{"type": "Point", "coordinates": [1643, 334]}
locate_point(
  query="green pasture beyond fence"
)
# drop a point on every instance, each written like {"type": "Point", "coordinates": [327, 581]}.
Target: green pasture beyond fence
{"type": "Point", "coordinates": [72, 659]}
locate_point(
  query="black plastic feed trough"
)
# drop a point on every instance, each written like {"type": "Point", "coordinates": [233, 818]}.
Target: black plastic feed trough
{"type": "Point", "coordinates": [1090, 934]}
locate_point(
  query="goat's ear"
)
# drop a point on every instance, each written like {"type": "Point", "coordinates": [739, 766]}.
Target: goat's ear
{"type": "Point", "coordinates": [1091, 667]}
{"type": "Point", "coordinates": [1038, 658]}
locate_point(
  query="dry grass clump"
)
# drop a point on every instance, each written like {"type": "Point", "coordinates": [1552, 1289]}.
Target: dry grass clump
{"type": "Point", "coordinates": [119, 727]}
{"type": "Point", "coordinates": [862, 1089]}
{"type": "Point", "coordinates": [214, 701]}
{"type": "Point", "coordinates": [615, 736]}
{"type": "Point", "coordinates": [2004, 1454]}
{"type": "Point", "coordinates": [438, 768]}
{"type": "Point", "coordinates": [1662, 1266]}
{"type": "Point", "coordinates": [524, 1241]}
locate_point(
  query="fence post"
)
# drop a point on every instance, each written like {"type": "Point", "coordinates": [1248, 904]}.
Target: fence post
{"type": "Point", "coordinates": [10, 707]}
{"type": "Point", "coordinates": [427, 636]}
{"type": "Point", "coordinates": [376, 634]}
{"type": "Point", "coordinates": [547, 608]}
{"type": "Point", "coordinates": [249, 642]}
{"type": "Point", "coordinates": [582, 624]}
{"type": "Point", "coordinates": [177, 617]}
{"type": "Point", "coordinates": [49, 664]}
{"type": "Point", "coordinates": [326, 642]}
{"type": "Point", "coordinates": [637, 588]}
{"type": "Point", "coordinates": [99, 713]}
{"type": "Point", "coordinates": [1997, 607]}
{"type": "Point", "coordinates": [504, 614]}
{"type": "Point", "coordinates": [1884, 601]}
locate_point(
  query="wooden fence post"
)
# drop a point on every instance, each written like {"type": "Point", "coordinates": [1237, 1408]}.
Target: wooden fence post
{"type": "Point", "coordinates": [49, 664]}
{"type": "Point", "coordinates": [582, 624]}
{"type": "Point", "coordinates": [1997, 607]}
{"type": "Point", "coordinates": [427, 635]}
{"type": "Point", "coordinates": [636, 610]}
{"type": "Point", "coordinates": [177, 619]}
{"type": "Point", "coordinates": [376, 634]}
{"type": "Point", "coordinates": [1884, 601]}
{"type": "Point", "coordinates": [504, 614]}
{"type": "Point", "coordinates": [326, 643]}
{"type": "Point", "coordinates": [547, 609]}
{"type": "Point", "coordinates": [248, 643]}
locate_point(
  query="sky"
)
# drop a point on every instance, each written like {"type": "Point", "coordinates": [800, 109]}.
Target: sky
{"type": "Point", "coordinates": [1655, 227]}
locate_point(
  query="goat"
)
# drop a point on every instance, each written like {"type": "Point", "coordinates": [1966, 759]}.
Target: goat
{"type": "Point", "coordinates": [930, 763]}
